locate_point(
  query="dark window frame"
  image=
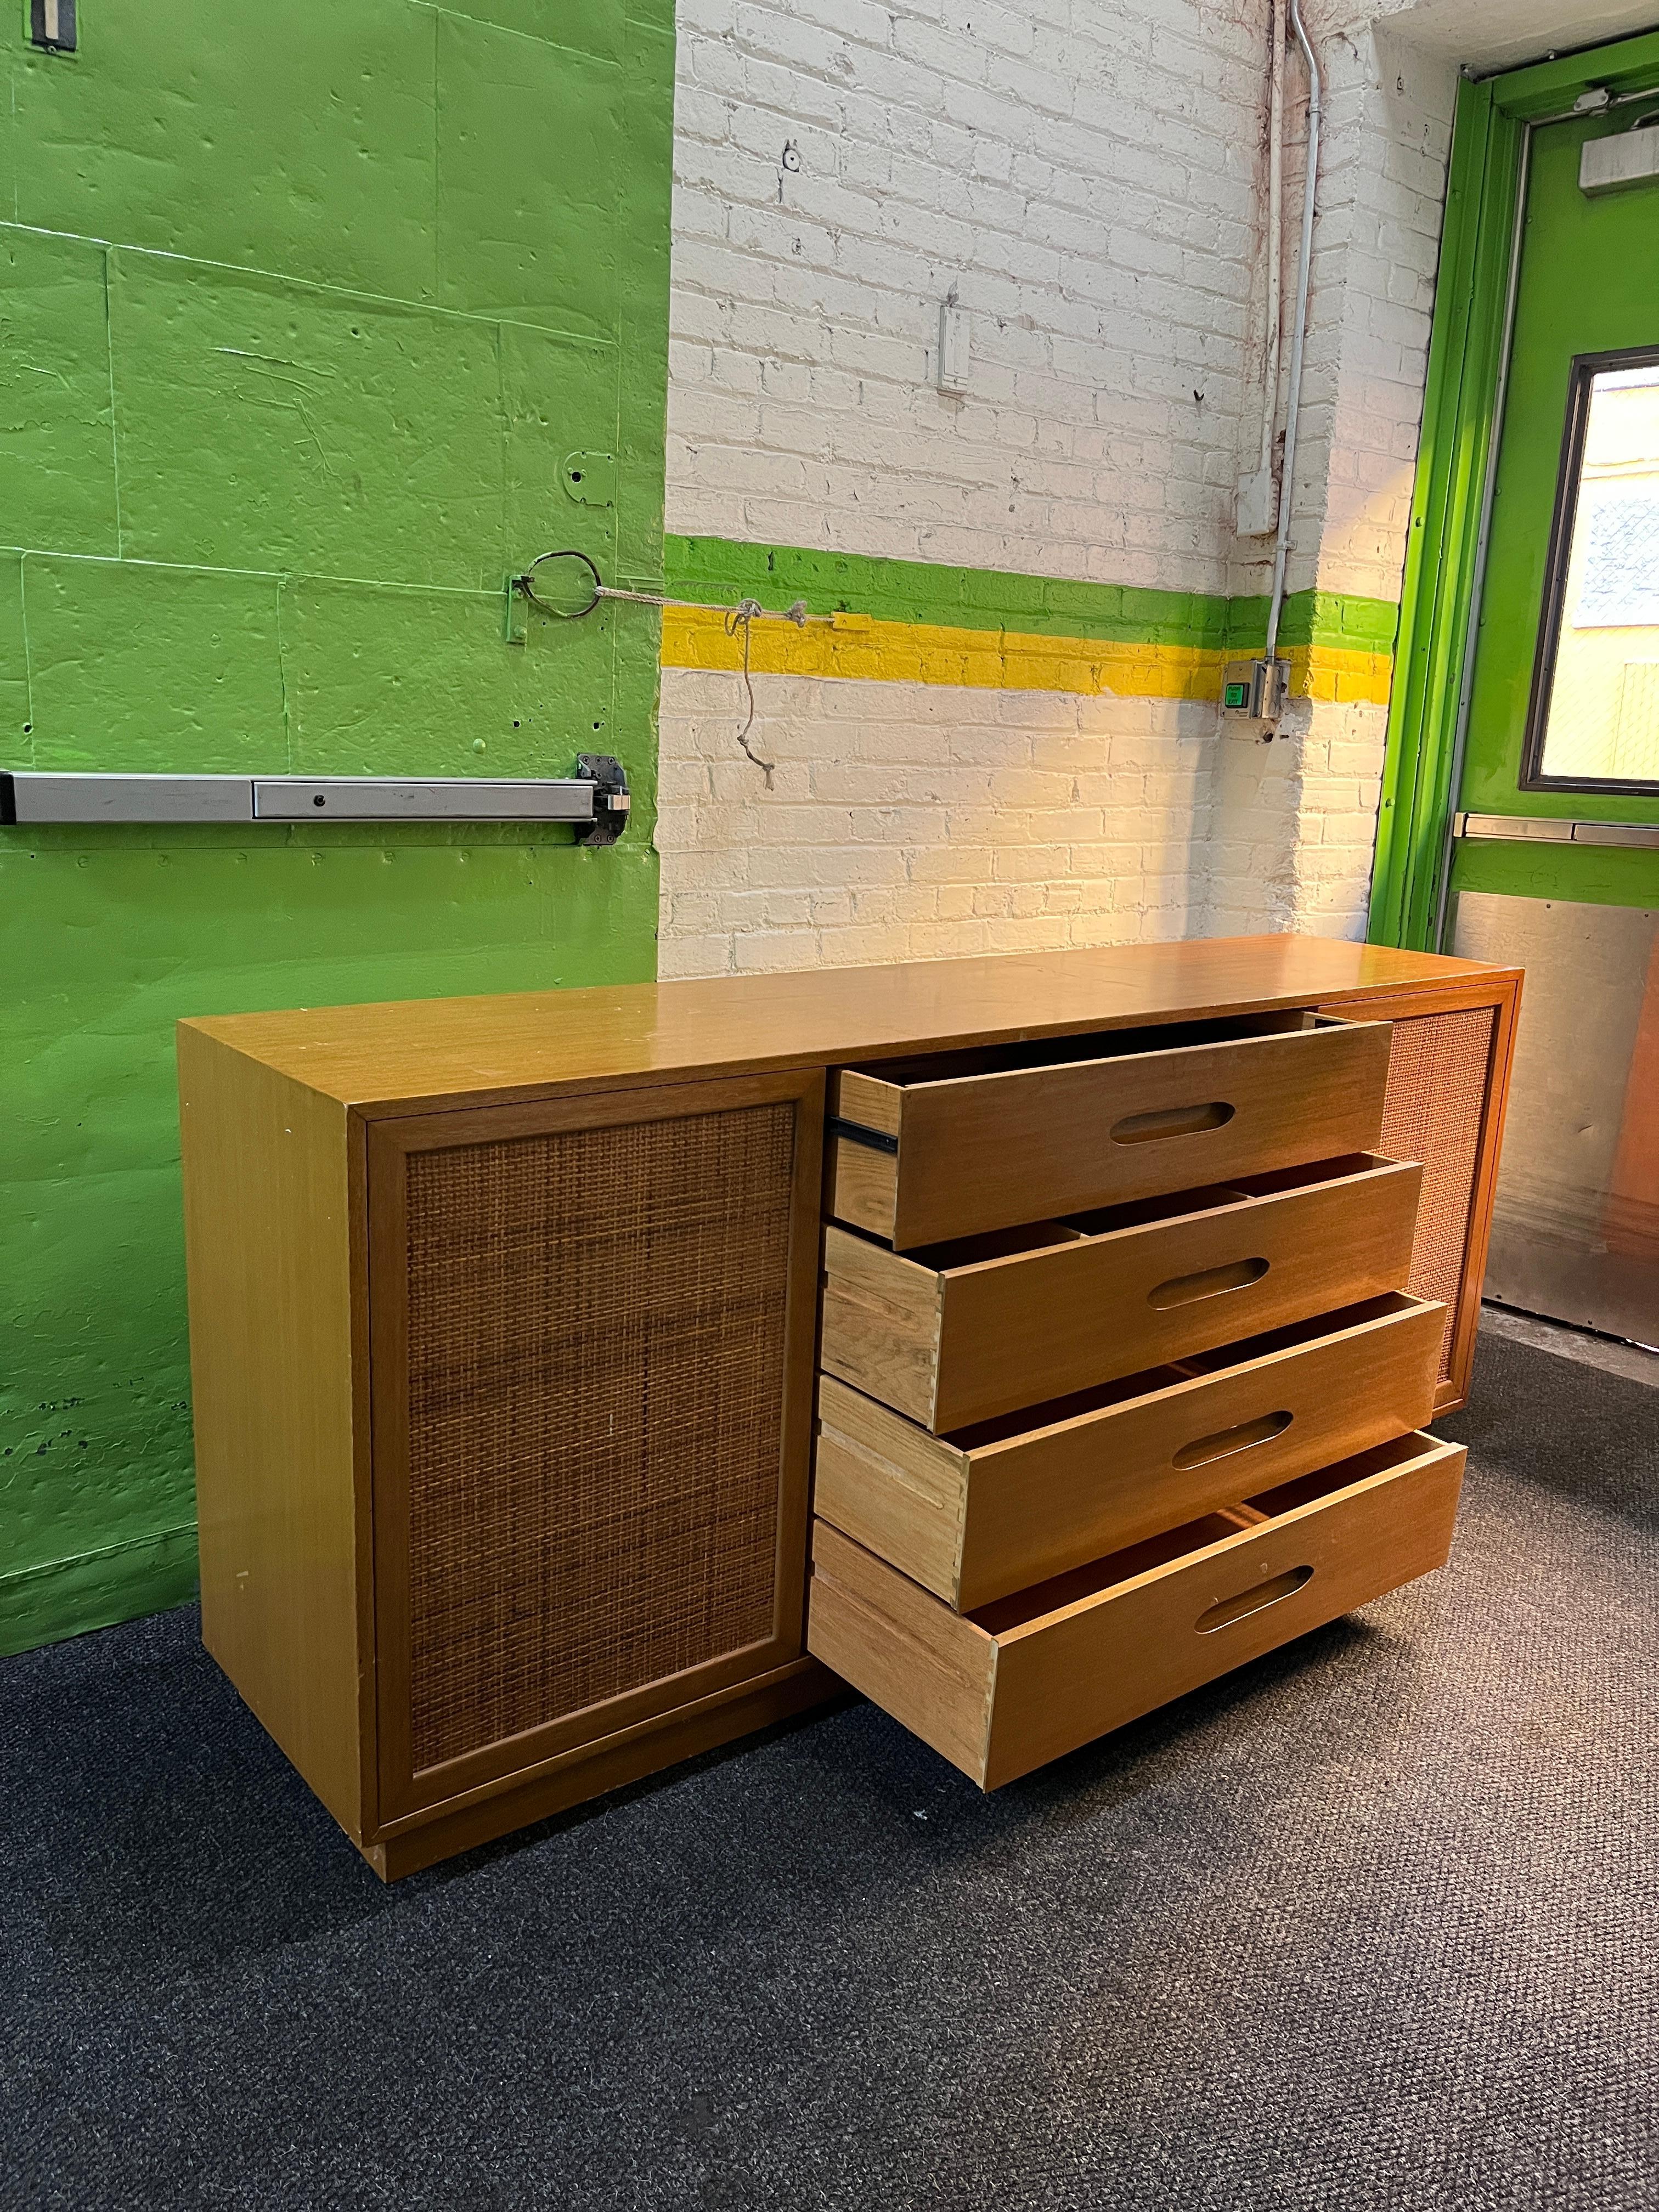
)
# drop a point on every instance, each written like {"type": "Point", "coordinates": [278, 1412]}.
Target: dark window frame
{"type": "Point", "coordinates": [1582, 376]}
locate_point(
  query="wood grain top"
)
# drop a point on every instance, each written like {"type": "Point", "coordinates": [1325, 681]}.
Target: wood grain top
{"type": "Point", "coordinates": [419, 1052]}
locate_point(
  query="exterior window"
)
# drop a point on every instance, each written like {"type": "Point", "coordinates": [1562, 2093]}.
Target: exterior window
{"type": "Point", "coordinates": [1594, 723]}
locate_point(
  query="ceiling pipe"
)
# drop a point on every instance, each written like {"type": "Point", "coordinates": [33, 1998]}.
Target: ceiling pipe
{"type": "Point", "coordinates": [1275, 225]}
{"type": "Point", "coordinates": [1272, 313]}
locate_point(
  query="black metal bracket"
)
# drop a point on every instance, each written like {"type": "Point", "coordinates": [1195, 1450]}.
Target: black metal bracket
{"type": "Point", "coordinates": [611, 801]}
{"type": "Point", "coordinates": [855, 1134]}
{"type": "Point", "coordinates": [51, 26]}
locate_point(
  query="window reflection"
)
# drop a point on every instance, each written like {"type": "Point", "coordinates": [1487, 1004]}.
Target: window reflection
{"type": "Point", "coordinates": [1603, 716]}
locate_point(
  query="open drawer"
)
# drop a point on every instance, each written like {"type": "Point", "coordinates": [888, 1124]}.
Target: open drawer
{"type": "Point", "coordinates": [966, 1331]}
{"type": "Point", "coordinates": [1014, 1501]}
{"type": "Point", "coordinates": [1019, 1683]}
{"type": "Point", "coordinates": [947, 1146]}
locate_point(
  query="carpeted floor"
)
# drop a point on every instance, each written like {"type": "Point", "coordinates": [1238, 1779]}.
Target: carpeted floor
{"type": "Point", "coordinates": [1373, 1924]}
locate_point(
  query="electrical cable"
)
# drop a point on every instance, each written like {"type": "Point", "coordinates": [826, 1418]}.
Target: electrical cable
{"type": "Point", "coordinates": [743, 614]}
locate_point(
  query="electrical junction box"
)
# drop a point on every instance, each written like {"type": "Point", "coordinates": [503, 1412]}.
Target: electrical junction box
{"type": "Point", "coordinates": [1258, 505]}
{"type": "Point", "coordinates": [1254, 688]}
{"type": "Point", "coordinates": [1615, 164]}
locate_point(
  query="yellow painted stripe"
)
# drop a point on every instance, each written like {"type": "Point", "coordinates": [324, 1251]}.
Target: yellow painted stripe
{"type": "Point", "coordinates": [850, 646]}
{"type": "Point", "coordinates": [847, 645]}
{"type": "Point", "coordinates": [1338, 672]}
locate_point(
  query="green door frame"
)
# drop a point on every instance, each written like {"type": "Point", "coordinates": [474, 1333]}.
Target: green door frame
{"type": "Point", "coordinates": [1463, 405]}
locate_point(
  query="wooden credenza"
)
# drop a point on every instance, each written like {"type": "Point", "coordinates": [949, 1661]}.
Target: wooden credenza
{"type": "Point", "coordinates": [1109, 1291]}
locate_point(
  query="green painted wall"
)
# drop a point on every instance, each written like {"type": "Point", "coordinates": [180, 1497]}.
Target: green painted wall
{"type": "Point", "coordinates": [1607, 244]}
{"type": "Point", "coordinates": [303, 310]}
{"type": "Point", "coordinates": [1575, 286]}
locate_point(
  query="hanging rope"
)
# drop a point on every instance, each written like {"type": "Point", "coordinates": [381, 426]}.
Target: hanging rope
{"type": "Point", "coordinates": [738, 618]}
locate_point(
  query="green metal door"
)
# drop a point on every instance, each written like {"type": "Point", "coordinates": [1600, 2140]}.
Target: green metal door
{"type": "Point", "coordinates": [1563, 709]}
{"type": "Point", "coordinates": [1556, 848]}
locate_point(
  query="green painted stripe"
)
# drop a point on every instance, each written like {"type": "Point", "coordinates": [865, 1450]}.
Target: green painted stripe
{"type": "Point", "coordinates": [1333, 618]}
{"type": "Point", "coordinates": [721, 569]}
{"type": "Point", "coordinates": [932, 591]}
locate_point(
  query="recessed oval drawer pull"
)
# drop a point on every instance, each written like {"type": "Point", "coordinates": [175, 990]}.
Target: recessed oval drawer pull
{"type": "Point", "coordinates": [1172, 1122]}
{"type": "Point", "coordinates": [1208, 1283]}
{"type": "Point", "coordinates": [1225, 1442]}
{"type": "Point", "coordinates": [1226, 1610]}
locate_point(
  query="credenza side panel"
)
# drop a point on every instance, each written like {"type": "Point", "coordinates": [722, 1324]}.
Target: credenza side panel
{"type": "Point", "coordinates": [267, 1235]}
{"type": "Point", "coordinates": [592, 1324]}
{"type": "Point", "coordinates": [1448, 1074]}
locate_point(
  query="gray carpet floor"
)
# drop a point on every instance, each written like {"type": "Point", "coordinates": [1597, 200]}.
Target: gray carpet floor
{"type": "Point", "coordinates": [1374, 1922]}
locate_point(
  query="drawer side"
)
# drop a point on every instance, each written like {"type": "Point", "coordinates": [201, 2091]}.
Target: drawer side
{"type": "Point", "coordinates": [863, 1184]}
{"type": "Point", "coordinates": [898, 1490]}
{"type": "Point", "coordinates": [931, 1669]}
{"type": "Point", "coordinates": [880, 1323]}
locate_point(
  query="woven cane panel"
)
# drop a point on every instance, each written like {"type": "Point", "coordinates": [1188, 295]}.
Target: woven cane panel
{"type": "Point", "coordinates": [596, 1374]}
{"type": "Point", "coordinates": [1436, 1093]}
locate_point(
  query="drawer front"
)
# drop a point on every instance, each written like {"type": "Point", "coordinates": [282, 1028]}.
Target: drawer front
{"type": "Point", "coordinates": [998, 1700]}
{"type": "Point", "coordinates": [965, 1344]}
{"type": "Point", "coordinates": [921, 1162]}
{"type": "Point", "coordinates": [972, 1521]}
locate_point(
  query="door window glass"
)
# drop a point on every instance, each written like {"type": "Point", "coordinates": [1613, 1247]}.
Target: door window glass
{"type": "Point", "coordinates": [1594, 718]}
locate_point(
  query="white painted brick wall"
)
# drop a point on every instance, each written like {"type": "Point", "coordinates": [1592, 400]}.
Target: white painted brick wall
{"type": "Point", "coordinates": [1081, 173]}
{"type": "Point", "coordinates": [1085, 174]}
{"type": "Point", "coordinates": [1383, 187]}
{"type": "Point", "coordinates": [1383, 173]}
{"type": "Point", "coordinates": [908, 821]}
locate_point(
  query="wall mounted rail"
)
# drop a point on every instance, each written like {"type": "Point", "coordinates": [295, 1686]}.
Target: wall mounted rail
{"type": "Point", "coordinates": [594, 801]}
{"type": "Point", "coordinates": [1554, 830]}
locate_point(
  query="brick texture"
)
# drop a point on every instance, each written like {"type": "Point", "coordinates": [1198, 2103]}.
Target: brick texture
{"type": "Point", "coordinates": [906, 822]}
{"type": "Point", "coordinates": [1083, 178]}
{"type": "Point", "coordinates": [1295, 821]}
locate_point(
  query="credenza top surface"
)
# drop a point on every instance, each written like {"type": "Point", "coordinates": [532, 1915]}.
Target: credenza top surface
{"type": "Point", "coordinates": [415, 1050]}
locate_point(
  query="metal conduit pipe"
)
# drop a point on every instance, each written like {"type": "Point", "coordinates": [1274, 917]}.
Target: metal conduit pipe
{"type": "Point", "coordinates": [1272, 313]}
{"type": "Point", "coordinates": [1299, 338]}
